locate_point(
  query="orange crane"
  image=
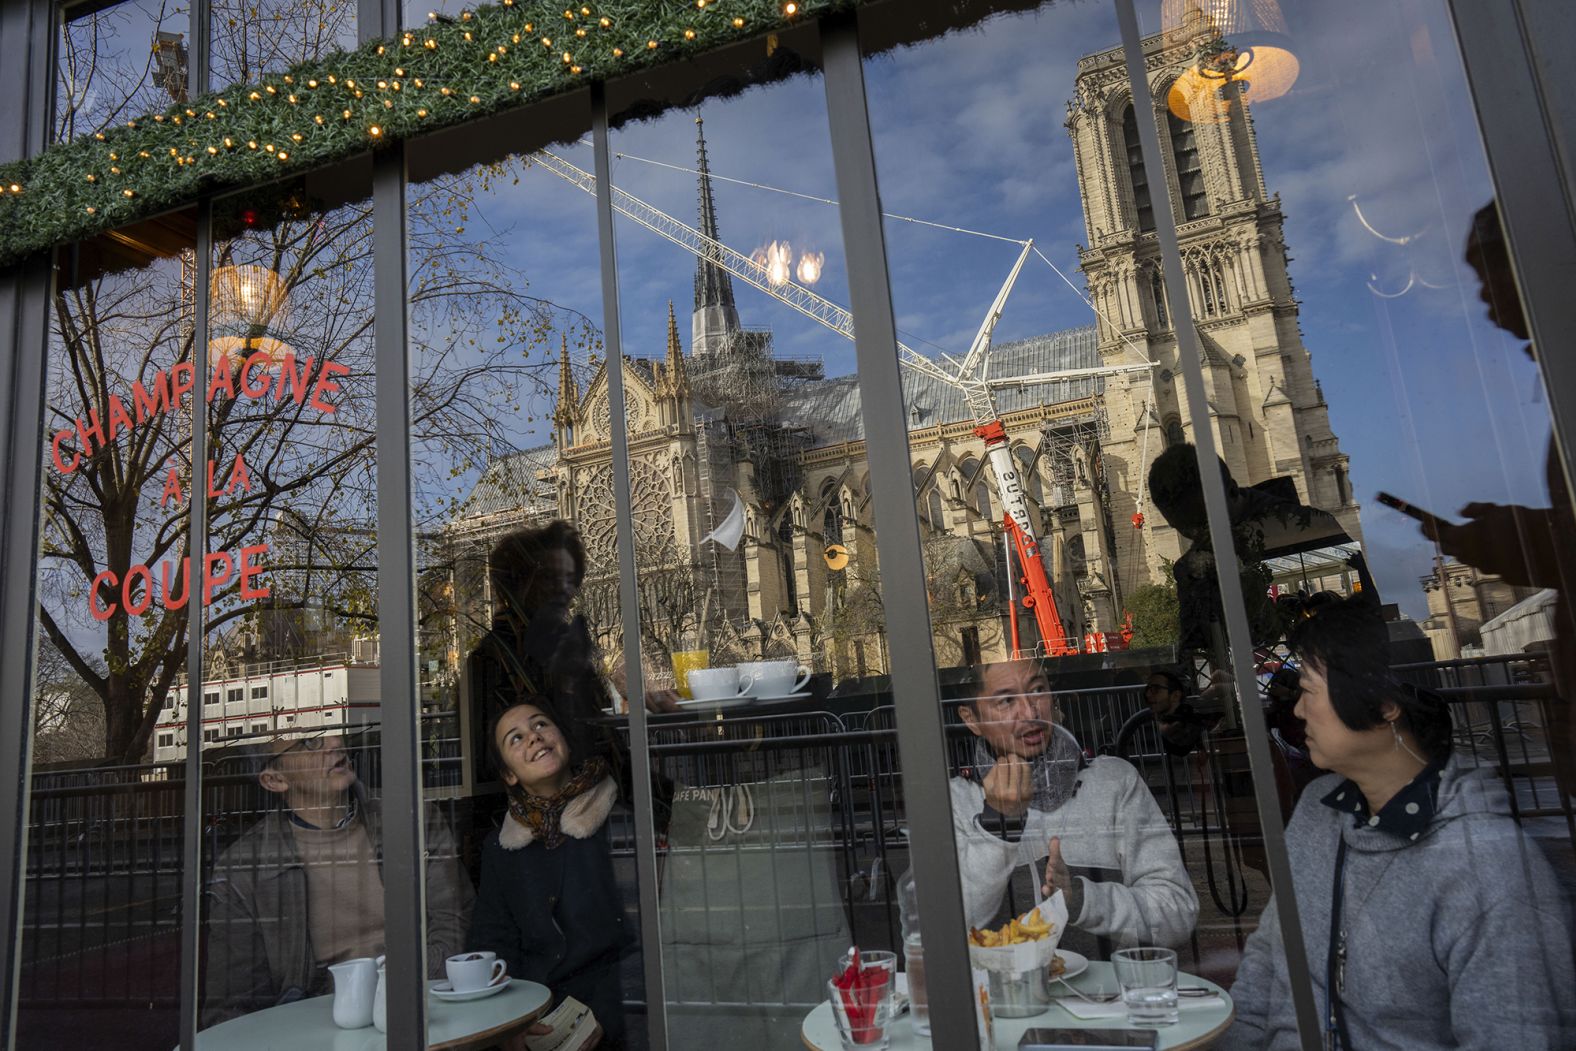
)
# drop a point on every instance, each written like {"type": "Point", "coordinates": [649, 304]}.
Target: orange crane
{"type": "Point", "coordinates": [970, 375]}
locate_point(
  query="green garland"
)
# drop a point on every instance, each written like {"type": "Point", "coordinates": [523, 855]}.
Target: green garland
{"type": "Point", "coordinates": [487, 60]}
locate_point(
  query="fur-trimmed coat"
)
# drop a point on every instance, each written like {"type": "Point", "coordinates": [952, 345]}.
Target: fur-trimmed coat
{"type": "Point", "coordinates": [556, 916]}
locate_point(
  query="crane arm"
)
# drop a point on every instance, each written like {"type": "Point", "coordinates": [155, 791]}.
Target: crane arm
{"type": "Point", "coordinates": [1067, 374]}
{"type": "Point", "coordinates": [741, 266]}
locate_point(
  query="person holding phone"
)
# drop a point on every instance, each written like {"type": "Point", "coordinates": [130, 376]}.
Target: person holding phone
{"type": "Point", "coordinates": [1526, 546]}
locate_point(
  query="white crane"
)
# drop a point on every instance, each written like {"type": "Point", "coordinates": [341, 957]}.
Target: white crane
{"type": "Point", "coordinates": [971, 376]}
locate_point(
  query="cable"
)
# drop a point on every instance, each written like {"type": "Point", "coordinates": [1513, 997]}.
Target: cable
{"type": "Point", "coordinates": [818, 200]}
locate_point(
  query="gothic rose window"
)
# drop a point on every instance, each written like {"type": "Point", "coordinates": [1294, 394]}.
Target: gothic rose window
{"type": "Point", "coordinates": [651, 500]}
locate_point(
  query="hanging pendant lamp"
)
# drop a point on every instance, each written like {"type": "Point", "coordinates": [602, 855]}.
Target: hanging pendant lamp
{"type": "Point", "coordinates": [248, 304]}
{"type": "Point", "coordinates": [1244, 52]}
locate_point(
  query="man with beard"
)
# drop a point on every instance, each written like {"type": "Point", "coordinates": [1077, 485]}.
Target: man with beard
{"type": "Point", "coordinates": [303, 888]}
{"type": "Point", "coordinates": [1032, 804]}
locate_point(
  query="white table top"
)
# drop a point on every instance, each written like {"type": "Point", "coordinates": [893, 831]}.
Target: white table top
{"type": "Point", "coordinates": [308, 1025]}
{"type": "Point", "coordinates": [1196, 1027]}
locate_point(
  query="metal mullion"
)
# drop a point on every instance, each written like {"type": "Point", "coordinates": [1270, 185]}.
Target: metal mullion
{"type": "Point", "coordinates": [920, 734]}
{"type": "Point", "coordinates": [26, 105]}
{"type": "Point", "coordinates": [404, 874]}
{"type": "Point", "coordinates": [1535, 204]}
{"type": "Point", "coordinates": [399, 683]}
{"type": "Point", "coordinates": [628, 594]}
{"type": "Point", "coordinates": [1239, 637]}
{"type": "Point", "coordinates": [197, 538]}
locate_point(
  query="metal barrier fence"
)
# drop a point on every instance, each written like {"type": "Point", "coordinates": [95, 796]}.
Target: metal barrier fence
{"type": "Point", "coordinates": [814, 793]}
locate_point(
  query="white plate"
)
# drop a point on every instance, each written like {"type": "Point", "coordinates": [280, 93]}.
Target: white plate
{"type": "Point", "coordinates": [1076, 963]}
{"type": "Point", "coordinates": [444, 991]}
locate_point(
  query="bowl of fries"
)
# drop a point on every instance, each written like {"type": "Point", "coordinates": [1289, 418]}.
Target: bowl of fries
{"type": "Point", "coordinates": [1017, 956]}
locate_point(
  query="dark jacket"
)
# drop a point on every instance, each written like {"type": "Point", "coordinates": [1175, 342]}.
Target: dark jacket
{"type": "Point", "coordinates": [259, 943]}
{"type": "Point", "coordinates": [556, 916]}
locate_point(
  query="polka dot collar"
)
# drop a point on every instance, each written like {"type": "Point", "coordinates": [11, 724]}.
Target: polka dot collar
{"type": "Point", "coordinates": [1405, 816]}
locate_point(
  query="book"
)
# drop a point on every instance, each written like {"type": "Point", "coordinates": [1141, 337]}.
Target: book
{"type": "Point", "coordinates": [573, 1027]}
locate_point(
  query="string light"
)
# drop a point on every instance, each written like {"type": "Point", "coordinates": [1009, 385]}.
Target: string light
{"type": "Point", "coordinates": [689, 34]}
{"type": "Point", "coordinates": [374, 131]}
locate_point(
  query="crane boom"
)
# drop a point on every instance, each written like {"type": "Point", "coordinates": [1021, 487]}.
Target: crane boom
{"type": "Point", "coordinates": [815, 307]}
{"type": "Point", "coordinates": [971, 376]}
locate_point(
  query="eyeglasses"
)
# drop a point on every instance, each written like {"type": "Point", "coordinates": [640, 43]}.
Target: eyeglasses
{"type": "Point", "coordinates": [306, 744]}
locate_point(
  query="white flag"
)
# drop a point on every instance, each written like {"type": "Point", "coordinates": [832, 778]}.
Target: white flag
{"type": "Point", "coordinates": [731, 531]}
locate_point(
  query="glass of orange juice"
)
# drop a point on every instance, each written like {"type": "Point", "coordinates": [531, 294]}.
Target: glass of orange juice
{"type": "Point", "coordinates": [685, 661]}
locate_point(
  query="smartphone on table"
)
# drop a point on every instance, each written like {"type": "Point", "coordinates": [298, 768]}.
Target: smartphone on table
{"type": "Point", "coordinates": [1084, 1039]}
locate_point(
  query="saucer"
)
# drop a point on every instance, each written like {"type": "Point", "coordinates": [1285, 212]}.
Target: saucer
{"type": "Point", "coordinates": [717, 702]}
{"type": "Point", "coordinates": [444, 991]}
{"type": "Point", "coordinates": [801, 695]}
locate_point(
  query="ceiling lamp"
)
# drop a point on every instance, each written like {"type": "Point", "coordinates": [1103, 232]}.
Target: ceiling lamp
{"type": "Point", "coordinates": [1243, 50]}
{"type": "Point", "coordinates": [248, 301]}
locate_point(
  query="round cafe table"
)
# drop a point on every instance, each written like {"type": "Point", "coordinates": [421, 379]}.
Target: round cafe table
{"type": "Point", "coordinates": [308, 1025]}
{"type": "Point", "coordinates": [1196, 1027]}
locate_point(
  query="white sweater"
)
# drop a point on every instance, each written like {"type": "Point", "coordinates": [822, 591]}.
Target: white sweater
{"type": "Point", "coordinates": [1112, 823]}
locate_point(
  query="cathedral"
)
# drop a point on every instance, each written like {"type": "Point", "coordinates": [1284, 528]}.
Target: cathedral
{"type": "Point", "coordinates": [724, 428]}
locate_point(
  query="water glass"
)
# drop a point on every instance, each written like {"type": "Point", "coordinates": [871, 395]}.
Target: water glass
{"type": "Point", "coordinates": [914, 967]}
{"type": "Point", "coordinates": [864, 1016]}
{"type": "Point", "coordinates": [1148, 978]}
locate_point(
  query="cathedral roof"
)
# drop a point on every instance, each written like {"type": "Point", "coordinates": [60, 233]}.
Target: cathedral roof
{"type": "Point", "coordinates": [833, 407]}
{"type": "Point", "coordinates": [512, 484]}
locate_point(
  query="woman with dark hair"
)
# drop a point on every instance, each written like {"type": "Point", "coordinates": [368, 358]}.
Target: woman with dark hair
{"type": "Point", "coordinates": [549, 903]}
{"type": "Point", "coordinates": [1428, 919]}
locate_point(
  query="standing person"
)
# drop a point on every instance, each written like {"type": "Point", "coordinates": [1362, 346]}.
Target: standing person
{"type": "Point", "coordinates": [303, 887]}
{"type": "Point", "coordinates": [1031, 796]}
{"type": "Point", "coordinates": [1429, 920]}
{"type": "Point", "coordinates": [549, 903]}
{"type": "Point", "coordinates": [1528, 546]}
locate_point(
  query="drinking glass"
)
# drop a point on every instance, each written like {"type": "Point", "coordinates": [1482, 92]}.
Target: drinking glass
{"type": "Point", "coordinates": [684, 662]}
{"type": "Point", "coordinates": [864, 1015]}
{"type": "Point", "coordinates": [1148, 978]}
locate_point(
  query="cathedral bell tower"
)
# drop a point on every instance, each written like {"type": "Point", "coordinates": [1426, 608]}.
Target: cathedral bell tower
{"type": "Point", "coordinates": [716, 319]}
{"type": "Point", "coordinates": [670, 380]}
{"type": "Point", "coordinates": [1265, 409]}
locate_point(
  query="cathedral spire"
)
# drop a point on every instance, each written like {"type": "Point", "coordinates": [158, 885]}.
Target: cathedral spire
{"type": "Point", "coordinates": [568, 392]}
{"type": "Point", "coordinates": [716, 318]}
{"type": "Point", "coordinates": [675, 351]}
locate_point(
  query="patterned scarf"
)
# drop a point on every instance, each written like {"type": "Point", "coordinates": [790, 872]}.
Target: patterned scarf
{"type": "Point", "coordinates": [543, 815]}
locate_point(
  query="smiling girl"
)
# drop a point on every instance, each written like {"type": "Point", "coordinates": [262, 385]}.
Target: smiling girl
{"type": "Point", "coordinates": [549, 904]}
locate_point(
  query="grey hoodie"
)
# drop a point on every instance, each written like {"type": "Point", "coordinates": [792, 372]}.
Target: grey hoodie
{"type": "Point", "coordinates": [1113, 838]}
{"type": "Point", "coordinates": [1460, 939]}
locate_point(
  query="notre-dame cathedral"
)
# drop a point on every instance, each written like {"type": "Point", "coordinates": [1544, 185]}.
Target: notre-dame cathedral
{"type": "Point", "coordinates": [725, 423]}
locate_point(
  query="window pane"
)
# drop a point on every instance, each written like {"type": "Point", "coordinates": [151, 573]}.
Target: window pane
{"type": "Point", "coordinates": [291, 778]}
{"type": "Point", "coordinates": [253, 37]}
{"type": "Point", "coordinates": [756, 561]}
{"type": "Point", "coordinates": [1055, 618]}
{"type": "Point", "coordinates": [1339, 294]}
{"type": "Point", "coordinates": [117, 62]}
{"type": "Point", "coordinates": [100, 945]}
{"type": "Point", "coordinates": [518, 585]}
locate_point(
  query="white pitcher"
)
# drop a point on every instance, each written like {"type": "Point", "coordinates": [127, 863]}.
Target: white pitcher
{"type": "Point", "coordinates": [380, 1008]}
{"type": "Point", "coordinates": [355, 985]}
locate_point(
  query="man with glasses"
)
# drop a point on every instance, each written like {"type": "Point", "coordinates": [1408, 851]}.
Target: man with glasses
{"type": "Point", "coordinates": [1031, 809]}
{"type": "Point", "coordinates": [1181, 727]}
{"type": "Point", "coordinates": [303, 887]}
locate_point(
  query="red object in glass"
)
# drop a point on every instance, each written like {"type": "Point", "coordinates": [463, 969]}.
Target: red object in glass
{"type": "Point", "coordinates": [1138, 519]}
{"type": "Point", "coordinates": [862, 990]}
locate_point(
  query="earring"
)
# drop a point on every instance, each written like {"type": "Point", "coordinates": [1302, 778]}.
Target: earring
{"type": "Point", "coordinates": [1397, 735]}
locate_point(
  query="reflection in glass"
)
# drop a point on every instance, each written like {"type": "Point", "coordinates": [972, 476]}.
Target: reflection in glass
{"type": "Point", "coordinates": [117, 62]}
{"type": "Point", "coordinates": [100, 931]}
{"type": "Point", "coordinates": [253, 37]}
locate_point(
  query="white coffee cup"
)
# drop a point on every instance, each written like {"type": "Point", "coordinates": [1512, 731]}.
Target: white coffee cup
{"type": "Point", "coordinates": [713, 684]}
{"type": "Point", "coordinates": [470, 971]}
{"type": "Point", "coordinates": [355, 984]}
{"type": "Point", "coordinates": [773, 678]}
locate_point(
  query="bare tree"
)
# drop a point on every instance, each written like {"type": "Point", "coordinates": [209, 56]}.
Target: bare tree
{"type": "Point", "coordinates": [297, 473]}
